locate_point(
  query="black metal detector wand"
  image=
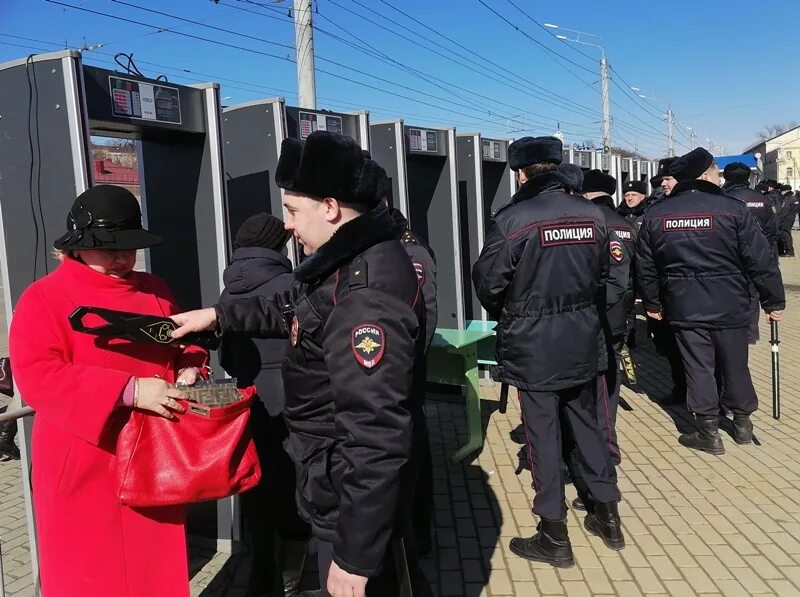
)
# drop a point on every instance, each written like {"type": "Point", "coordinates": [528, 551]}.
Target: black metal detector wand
{"type": "Point", "coordinates": [776, 370]}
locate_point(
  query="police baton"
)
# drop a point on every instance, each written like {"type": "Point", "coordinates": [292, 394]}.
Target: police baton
{"type": "Point", "coordinates": [776, 370]}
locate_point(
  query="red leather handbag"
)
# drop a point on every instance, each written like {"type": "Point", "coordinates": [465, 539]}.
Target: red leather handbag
{"type": "Point", "coordinates": [204, 453]}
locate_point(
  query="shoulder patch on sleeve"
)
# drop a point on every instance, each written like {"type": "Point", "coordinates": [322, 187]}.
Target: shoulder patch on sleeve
{"type": "Point", "coordinates": [369, 344]}
{"type": "Point", "coordinates": [419, 269]}
{"type": "Point", "coordinates": [615, 248]}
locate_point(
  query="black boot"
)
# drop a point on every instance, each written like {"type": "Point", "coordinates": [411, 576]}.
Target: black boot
{"type": "Point", "coordinates": [550, 545]}
{"type": "Point", "coordinates": [606, 524]}
{"type": "Point", "coordinates": [706, 438]}
{"type": "Point", "coordinates": [8, 449]}
{"type": "Point", "coordinates": [577, 504]}
{"type": "Point", "coordinates": [291, 557]}
{"type": "Point", "coordinates": [742, 429]}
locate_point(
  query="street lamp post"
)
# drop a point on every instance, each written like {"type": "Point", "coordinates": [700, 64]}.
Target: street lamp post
{"type": "Point", "coordinates": [693, 137]}
{"type": "Point", "coordinates": [605, 100]}
{"type": "Point", "coordinates": [670, 118]}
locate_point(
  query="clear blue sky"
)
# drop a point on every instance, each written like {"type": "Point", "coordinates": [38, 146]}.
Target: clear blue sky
{"type": "Point", "coordinates": [727, 67]}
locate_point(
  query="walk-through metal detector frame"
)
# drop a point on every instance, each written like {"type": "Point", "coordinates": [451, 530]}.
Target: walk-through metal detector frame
{"type": "Point", "coordinates": [429, 200]}
{"type": "Point", "coordinates": [253, 133]}
{"type": "Point", "coordinates": [183, 193]}
{"type": "Point", "coordinates": [485, 184]}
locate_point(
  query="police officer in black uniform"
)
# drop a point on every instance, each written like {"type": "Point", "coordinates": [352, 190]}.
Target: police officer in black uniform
{"type": "Point", "coordinates": [634, 202]}
{"type": "Point", "coordinates": [424, 262]}
{"type": "Point", "coordinates": [598, 188]}
{"type": "Point", "coordinates": [737, 185]}
{"type": "Point", "coordinates": [696, 256]}
{"type": "Point", "coordinates": [786, 217]}
{"type": "Point", "coordinates": [349, 371]}
{"type": "Point", "coordinates": [541, 275]}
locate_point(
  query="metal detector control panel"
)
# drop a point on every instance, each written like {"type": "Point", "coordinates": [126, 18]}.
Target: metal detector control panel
{"type": "Point", "coordinates": [424, 141]}
{"type": "Point", "coordinates": [147, 101]}
{"type": "Point", "coordinates": [494, 151]}
{"type": "Point", "coordinates": [313, 121]}
{"type": "Point", "coordinates": [301, 122]}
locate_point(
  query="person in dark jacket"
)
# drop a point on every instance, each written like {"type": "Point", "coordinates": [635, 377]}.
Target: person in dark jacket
{"type": "Point", "coordinates": [598, 187]}
{"type": "Point", "coordinates": [696, 256]}
{"type": "Point", "coordinates": [787, 214]}
{"type": "Point", "coordinates": [349, 370]}
{"type": "Point", "coordinates": [662, 333]}
{"type": "Point", "coordinates": [424, 262]}
{"type": "Point", "coordinates": [737, 185]}
{"type": "Point", "coordinates": [633, 202]}
{"type": "Point", "coordinates": [278, 536]}
{"type": "Point", "coordinates": [541, 276]}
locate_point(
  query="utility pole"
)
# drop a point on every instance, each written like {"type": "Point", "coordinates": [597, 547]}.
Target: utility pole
{"type": "Point", "coordinates": [605, 102]}
{"type": "Point", "coordinates": [670, 130]}
{"type": "Point", "coordinates": [304, 49]}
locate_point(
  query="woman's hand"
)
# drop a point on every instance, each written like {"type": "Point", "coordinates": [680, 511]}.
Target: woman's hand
{"type": "Point", "coordinates": [187, 377]}
{"type": "Point", "coordinates": [157, 396]}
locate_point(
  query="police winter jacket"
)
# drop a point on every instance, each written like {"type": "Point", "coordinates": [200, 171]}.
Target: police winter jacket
{"type": "Point", "coordinates": [349, 374]}
{"type": "Point", "coordinates": [256, 271]}
{"type": "Point", "coordinates": [758, 205]}
{"type": "Point", "coordinates": [635, 215]}
{"type": "Point", "coordinates": [619, 288]}
{"type": "Point", "coordinates": [787, 212]}
{"type": "Point", "coordinates": [541, 275]}
{"type": "Point", "coordinates": [424, 262]}
{"type": "Point", "coordinates": [696, 253]}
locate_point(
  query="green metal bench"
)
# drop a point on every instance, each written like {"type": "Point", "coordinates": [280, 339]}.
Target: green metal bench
{"type": "Point", "coordinates": [453, 360]}
{"type": "Point", "coordinates": [486, 352]}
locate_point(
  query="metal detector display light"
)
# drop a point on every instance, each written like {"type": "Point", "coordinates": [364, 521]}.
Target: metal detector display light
{"type": "Point", "coordinates": [146, 101]}
{"type": "Point", "coordinates": [310, 122]}
{"type": "Point", "coordinates": [423, 140]}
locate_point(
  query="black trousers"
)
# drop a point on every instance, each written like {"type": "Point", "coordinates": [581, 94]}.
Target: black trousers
{"type": "Point", "coordinates": [724, 353]}
{"type": "Point", "coordinates": [785, 241]}
{"type": "Point", "coordinates": [270, 509]}
{"type": "Point", "coordinates": [666, 346]}
{"type": "Point", "coordinates": [565, 422]}
{"type": "Point", "coordinates": [608, 387]}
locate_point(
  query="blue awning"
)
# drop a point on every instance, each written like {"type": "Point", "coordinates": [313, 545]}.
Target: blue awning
{"type": "Point", "coordinates": [747, 158]}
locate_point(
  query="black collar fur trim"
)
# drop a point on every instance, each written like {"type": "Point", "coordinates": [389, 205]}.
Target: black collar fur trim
{"type": "Point", "coordinates": [549, 181]}
{"type": "Point", "coordinates": [696, 185]}
{"type": "Point", "coordinates": [604, 201]}
{"type": "Point", "coordinates": [351, 239]}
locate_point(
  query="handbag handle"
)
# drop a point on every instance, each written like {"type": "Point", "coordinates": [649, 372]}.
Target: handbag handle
{"type": "Point", "coordinates": [151, 329]}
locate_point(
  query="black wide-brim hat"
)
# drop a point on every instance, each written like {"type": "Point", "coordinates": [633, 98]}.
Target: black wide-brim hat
{"type": "Point", "coordinates": [106, 217]}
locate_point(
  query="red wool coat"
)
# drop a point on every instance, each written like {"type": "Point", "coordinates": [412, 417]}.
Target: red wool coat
{"type": "Point", "coordinates": [89, 544]}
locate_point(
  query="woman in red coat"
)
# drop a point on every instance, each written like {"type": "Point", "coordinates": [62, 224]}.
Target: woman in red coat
{"type": "Point", "coordinates": [83, 389]}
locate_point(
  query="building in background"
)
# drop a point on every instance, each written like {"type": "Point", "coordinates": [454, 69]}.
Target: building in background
{"type": "Point", "coordinates": [780, 157]}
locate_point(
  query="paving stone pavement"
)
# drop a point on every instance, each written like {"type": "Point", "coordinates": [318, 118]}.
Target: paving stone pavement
{"type": "Point", "coordinates": [695, 524]}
